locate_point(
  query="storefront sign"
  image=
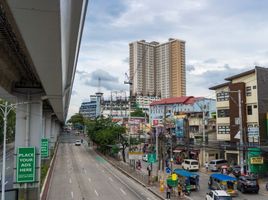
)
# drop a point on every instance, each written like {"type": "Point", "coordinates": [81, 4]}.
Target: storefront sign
{"type": "Point", "coordinates": [25, 164]}
{"type": "Point", "coordinates": [256, 160]}
{"type": "Point", "coordinates": [135, 155]}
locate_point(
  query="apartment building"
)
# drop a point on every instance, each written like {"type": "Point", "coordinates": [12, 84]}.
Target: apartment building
{"type": "Point", "coordinates": [91, 109]}
{"type": "Point", "coordinates": [252, 86]}
{"type": "Point", "coordinates": [157, 69]}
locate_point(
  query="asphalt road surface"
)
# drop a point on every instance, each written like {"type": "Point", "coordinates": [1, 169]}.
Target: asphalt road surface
{"type": "Point", "coordinates": [81, 174]}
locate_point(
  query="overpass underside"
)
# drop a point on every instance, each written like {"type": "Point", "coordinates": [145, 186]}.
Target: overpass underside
{"type": "Point", "coordinates": [39, 45]}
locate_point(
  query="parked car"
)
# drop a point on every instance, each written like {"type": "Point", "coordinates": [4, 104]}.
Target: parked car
{"type": "Point", "coordinates": [77, 142]}
{"type": "Point", "coordinates": [145, 157]}
{"type": "Point", "coordinates": [218, 194]}
{"type": "Point", "coordinates": [215, 165]}
{"type": "Point", "coordinates": [248, 184]}
{"type": "Point", "coordinates": [190, 164]}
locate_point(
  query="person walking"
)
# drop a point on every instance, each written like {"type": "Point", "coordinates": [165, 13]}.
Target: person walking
{"type": "Point", "coordinates": [168, 192]}
{"type": "Point", "coordinates": [206, 166]}
{"type": "Point", "coordinates": [179, 190]}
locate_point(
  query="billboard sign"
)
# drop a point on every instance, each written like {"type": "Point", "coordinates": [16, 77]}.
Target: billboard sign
{"type": "Point", "coordinates": [179, 127]}
{"type": "Point", "coordinates": [44, 148]}
{"type": "Point", "coordinates": [25, 165]}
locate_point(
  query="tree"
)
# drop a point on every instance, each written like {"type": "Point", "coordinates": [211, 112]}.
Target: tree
{"type": "Point", "coordinates": [104, 132]}
{"type": "Point", "coordinates": [11, 123]}
{"type": "Point", "coordinates": [77, 121]}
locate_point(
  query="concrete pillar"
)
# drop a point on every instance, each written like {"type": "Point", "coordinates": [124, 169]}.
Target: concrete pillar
{"type": "Point", "coordinates": [47, 131]}
{"type": "Point", "coordinates": [53, 138]}
{"type": "Point", "coordinates": [28, 134]}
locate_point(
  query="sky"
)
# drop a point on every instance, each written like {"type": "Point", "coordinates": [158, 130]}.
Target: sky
{"type": "Point", "coordinates": [223, 38]}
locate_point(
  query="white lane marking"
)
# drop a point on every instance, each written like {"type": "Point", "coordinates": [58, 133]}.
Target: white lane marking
{"type": "Point", "coordinates": [97, 164]}
{"type": "Point", "coordinates": [70, 180]}
{"type": "Point", "coordinates": [85, 171]}
{"type": "Point", "coordinates": [89, 179]}
{"type": "Point", "coordinates": [8, 167]}
{"type": "Point", "coordinates": [103, 171]}
{"type": "Point", "coordinates": [123, 191]}
{"type": "Point", "coordinates": [72, 194]}
{"type": "Point", "coordinates": [96, 193]}
{"type": "Point", "coordinates": [6, 182]}
{"type": "Point", "coordinates": [111, 179]}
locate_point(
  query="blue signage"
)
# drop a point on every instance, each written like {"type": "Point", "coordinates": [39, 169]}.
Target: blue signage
{"type": "Point", "coordinates": [168, 170]}
{"type": "Point", "coordinates": [179, 128]}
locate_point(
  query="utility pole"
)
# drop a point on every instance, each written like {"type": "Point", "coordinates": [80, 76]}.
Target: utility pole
{"type": "Point", "coordinates": [241, 151]}
{"type": "Point", "coordinates": [204, 136]}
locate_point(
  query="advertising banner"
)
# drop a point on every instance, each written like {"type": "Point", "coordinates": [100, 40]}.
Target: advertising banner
{"type": "Point", "coordinates": [256, 160]}
{"type": "Point", "coordinates": [179, 127]}
{"type": "Point", "coordinates": [44, 148]}
{"type": "Point", "coordinates": [25, 165]}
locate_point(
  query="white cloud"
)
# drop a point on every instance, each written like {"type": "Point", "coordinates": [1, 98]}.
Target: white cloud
{"type": "Point", "coordinates": [222, 38]}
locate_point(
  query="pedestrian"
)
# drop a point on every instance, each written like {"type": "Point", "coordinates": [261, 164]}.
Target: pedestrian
{"type": "Point", "coordinates": [206, 166]}
{"type": "Point", "coordinates": [168, 191]}
{"type": "Point", "coordinates": [179, 190]}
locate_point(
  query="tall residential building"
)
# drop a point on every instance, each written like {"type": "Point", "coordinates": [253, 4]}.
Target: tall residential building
{"type": "Point", "coordinates": [157, 69]}
{"type": "Point", "coordinates": [243, 99]}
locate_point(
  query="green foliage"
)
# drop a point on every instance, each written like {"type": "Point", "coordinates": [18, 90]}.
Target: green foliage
{"type": "Point", "coordinates": [137, 113]}
{"type": "Point", "coordinates": [77, 121]}
{"type": "Point", "coordinates": [104, 132]}
{"type": "Point", "coordinates": [11, 122]}
{"type": "Point", "coordinates": [44, 170]}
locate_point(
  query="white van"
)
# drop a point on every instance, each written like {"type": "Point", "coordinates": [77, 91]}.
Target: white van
{"type": "Point", "coordinates": [215, 165]}
{"type": "Point", "coordinates": [190, 164]}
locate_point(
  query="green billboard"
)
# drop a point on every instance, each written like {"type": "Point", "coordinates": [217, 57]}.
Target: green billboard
{"type": "Point", "coordinates": [25, 165]}
{"type": "Point", "coordinates": [44, 148]}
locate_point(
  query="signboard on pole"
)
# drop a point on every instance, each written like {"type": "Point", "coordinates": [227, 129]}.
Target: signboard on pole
{"type": "Point", "coordinates": [44, 148]}
{"type": "Point", "coordinates": [135, 155]}
{"type": "Point", "coordinates": [151, 158]}
{"type": "Point", "coordinates": [256, 160]}
{"type": "Point", "coordinates": [25, 165]}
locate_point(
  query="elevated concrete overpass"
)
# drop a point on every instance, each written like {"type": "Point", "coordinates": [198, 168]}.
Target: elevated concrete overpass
{"type": "Point", "coordinates": [39, 46]}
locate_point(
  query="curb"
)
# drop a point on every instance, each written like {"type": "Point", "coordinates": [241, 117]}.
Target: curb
{"type": "Point", "coordinates": [46, 184]}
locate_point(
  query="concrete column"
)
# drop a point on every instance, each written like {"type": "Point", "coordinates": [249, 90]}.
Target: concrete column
{"type": "Point", "coordinates": [28, 134]}
{"type": "Point", "coordinates": [47, 133]}
{"type": "Point", "coordinates": [53, 138]}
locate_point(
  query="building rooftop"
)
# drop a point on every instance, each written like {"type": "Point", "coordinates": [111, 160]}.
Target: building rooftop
{"type": "Point", "coordinates": [240, 75]}
{"type": "Point", "coordinates": [219, 86]}
{"type": "Point", "coordinates": [177, 100]}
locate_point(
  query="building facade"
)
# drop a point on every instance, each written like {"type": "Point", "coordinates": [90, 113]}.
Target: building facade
{"type": "Point", "coordinates": [92, 108]}
{"type": "Point", "coordinates": [157, 69]}
{"type": "Point", "coordinates": [253, 108]}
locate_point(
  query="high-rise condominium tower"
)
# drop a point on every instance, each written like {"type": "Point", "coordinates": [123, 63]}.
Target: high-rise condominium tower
{"type": "Point", "coordinates": [157, 69]}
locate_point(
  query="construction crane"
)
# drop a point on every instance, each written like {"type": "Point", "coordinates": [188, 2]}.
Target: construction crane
{"type": "Point", "coordinates": [129, 82]}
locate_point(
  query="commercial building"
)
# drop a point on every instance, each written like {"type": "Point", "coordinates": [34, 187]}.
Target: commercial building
{"type": "Point", "coordinates": [92, 108]}
{"type": "Point", "coordinates": [190, 120]}
{"type": "Point", "coordinates": [157, 69]}
{"type": "Point", "coordinates": [244, 95]}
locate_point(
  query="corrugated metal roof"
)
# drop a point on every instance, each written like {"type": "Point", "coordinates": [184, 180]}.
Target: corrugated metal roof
{"type": "Point", "coordinates": [176, 100]}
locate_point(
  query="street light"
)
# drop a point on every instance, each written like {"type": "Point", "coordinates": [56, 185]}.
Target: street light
{"type": "Point", "coordinates": [5, 108]}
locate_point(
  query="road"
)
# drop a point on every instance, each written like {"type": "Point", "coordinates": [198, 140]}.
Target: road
{"type": "Point", "coordinates": [81, 174]}
{"type": "Point", "coordinates": [200, 195]}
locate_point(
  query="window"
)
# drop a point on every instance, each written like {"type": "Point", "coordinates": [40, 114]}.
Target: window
{"type": "Point", "coordinates": [223, 129]}
{"type": "Point", "coordinates": [223, 113]}
{"type": "Point", "coordinates": [249, 109]}
{"type": "Point", "coordinates": [254, 87]}
{"type": "Point", "coordinates": [248, 91]}
{"type": "Point", "coordinates": [223, 96]}
{"type": "Point", "coordinates": [255, 106]}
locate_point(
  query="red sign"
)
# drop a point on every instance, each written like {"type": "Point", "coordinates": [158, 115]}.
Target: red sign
{"type": "Point", "coordinates": [155, 122]}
